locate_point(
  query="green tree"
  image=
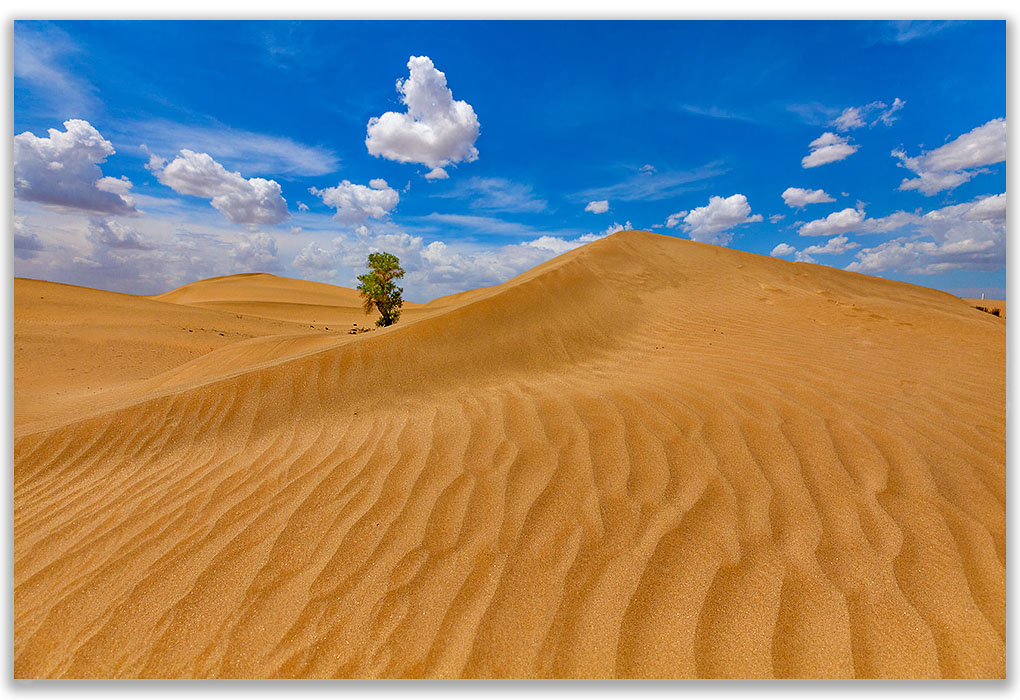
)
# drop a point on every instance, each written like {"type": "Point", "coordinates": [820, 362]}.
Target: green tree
{"type": "Point", "coordinates": [378, 288]}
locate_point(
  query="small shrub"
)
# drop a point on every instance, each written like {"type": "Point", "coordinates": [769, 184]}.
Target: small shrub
{"type": "Point", "coordinates": [993, 312]}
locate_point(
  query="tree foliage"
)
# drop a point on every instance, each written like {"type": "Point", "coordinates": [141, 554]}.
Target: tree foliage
{"type": "Point", "coordinates": [378, 288]}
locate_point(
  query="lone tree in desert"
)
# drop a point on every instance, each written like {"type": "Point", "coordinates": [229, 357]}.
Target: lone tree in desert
{"type": "Point", "coordinates": [378, 288]}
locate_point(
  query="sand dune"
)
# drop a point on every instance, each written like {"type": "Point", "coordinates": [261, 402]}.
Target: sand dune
{"type": "Point", "coordinates": [647, 457]}
{"type": "Point", "coordinates": [279, 298]}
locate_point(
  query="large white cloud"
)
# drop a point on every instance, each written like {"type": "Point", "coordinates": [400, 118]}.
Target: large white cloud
{"type": "Point", "coordinates": [436, 130]}
{"type": "Point", "coordinates": [969, 236]}
{"type": "Point", "coordinates": [243, 201]}
{"type": "Point", "coordinates": [834, 224]}
{"type": "Point", "coordinates": [828, 148]}
{"type": "Point", "coordinates": [953, 164]}
{"type": "Point", "coordinates": [713, 222]}
{"type": "Point", "coordinates": [783, 250]}
{"type": "Point", "coordinates": [798, 197]}
{"type": "Point", "coordinates": [355, 204]}
{"type": "Point", "coordinates": [63, 170]}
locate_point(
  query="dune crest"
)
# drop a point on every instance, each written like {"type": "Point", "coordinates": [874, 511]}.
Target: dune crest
{"type": "Point", "coordinates": [648, 457]}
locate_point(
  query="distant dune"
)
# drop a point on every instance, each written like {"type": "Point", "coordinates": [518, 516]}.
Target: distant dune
{"type": "Point", "coordinates": [646, 457]}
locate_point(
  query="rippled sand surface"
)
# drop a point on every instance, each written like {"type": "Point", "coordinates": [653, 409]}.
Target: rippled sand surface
{"type": "Point", "coordinates": [647, 457]}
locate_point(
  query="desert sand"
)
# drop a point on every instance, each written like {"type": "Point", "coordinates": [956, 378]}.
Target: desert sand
{"type": "Point", "coordinates": [647, 457]}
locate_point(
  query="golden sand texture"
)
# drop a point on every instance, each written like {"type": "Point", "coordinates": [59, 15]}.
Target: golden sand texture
{"type": "Point", "coordinates": [647, 457]}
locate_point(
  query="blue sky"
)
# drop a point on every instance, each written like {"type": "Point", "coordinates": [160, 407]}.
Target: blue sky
{"type": "Point", "coordinates": [183, 150]}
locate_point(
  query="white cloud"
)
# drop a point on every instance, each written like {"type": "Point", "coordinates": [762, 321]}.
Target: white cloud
{"type": "Point", "coordinates": [356, 204]}
{"type": "Point", "coordinates": [252, 201]}
{"type": "Point", "coordinates": [248, 151]}
{"type": "Point", "coordinates": [903, 31]}
{"type": "Point", "coordinates": [712, 223]}
{"type": "Point", "coordinates": [107, 233]}
{"type": "Point", "coordinates": [496, 194]}
{"type": "Point", "coordinates": [857, 117]}
{"type": "Point", "coordinates": [956, 162]}
{"type": "Point", "coordinates": [598, 207]}
{"type": "Point", "coordinates": [558, 246]}
{"type": "Point", "coordinates": [302, 206]}
{"type": "Point", "coordinates": [435, 131]}
{"type": "Point", "coordinates": [776, 218]}
{"type": "Point", "coordinates": [834, 246]}
{"type": "Point", "coordinates": [783, 250]}
{"type": "Point", "coordinates": [674, 220]}
{"type": "Point", "coordinates": [648, 168]}
{"type": "Point", "coordinates": [437, 174]}
{"type": "Point", "coordinates": [315, 259]}
{"type": "Point", "coordinates": [886, 116]}
{"type": "Point", "coordinates": [834, 224]}
{"type": "Point", "coordinates": [969, 236]}
{"type": "Point", "coordinates": [850, 118]}
{"type": "Point", "coordinates": [885, 224]}
{"type": "Point", "coordinates": [653, 186]}
{"type": "Point", "coordinates": [480, 225]}
{"type": "Point", "coordinates": [256, 253]}
{"type": "Point", "coordinates": [50, 64]}
{"type": "Point", "coordinates": [828, 148]}
{"type": "Point", "coordinates": [797, 197]}
{"type": "Point", "coordinates": [63, 170]}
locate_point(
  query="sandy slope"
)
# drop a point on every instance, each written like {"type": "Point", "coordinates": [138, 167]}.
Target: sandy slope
{"type": "Point", "coordinates": [648, 457]}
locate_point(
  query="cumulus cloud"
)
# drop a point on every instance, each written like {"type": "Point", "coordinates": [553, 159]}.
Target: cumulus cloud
{"type": "Point", "coordinates": [892, 222]}
{"type": "Point", "coordinates": [598, 207]}
{"type": "Point", "coordinates": [783, 250]}
{"type": "Point", "coordinates": [302, 207]}
{"type": "Point", "coordinates": [798, 197]}
{"type": "Point", "coordinates": [436, 130]}
{"type": "Point", "coordinates": [828, 148]}
{"type": "Point", "coordinates": [437, 174]}
{"type": "Point", "coordinates": [834, 224]}
{"type": "Point", "coordinates": [953, 164]}
{"type": "Point", "coordinates": [834, 246]}
{"type": "Point", "coordinates": [256, 252]}
{"type": "Point", "coordinates": [243, 201]}
{"type": "Point", "coordinates": [355, 204]}
{"type": "Point", "coordinates": [969, 236]}
{"type": "Point", "coordinates": [63, 170]}
{"type": "Point", "coordinates": [713, 223]}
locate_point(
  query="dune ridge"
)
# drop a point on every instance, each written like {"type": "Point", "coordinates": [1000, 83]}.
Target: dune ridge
{"type": "Point", "coordinates": [647, 458]}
